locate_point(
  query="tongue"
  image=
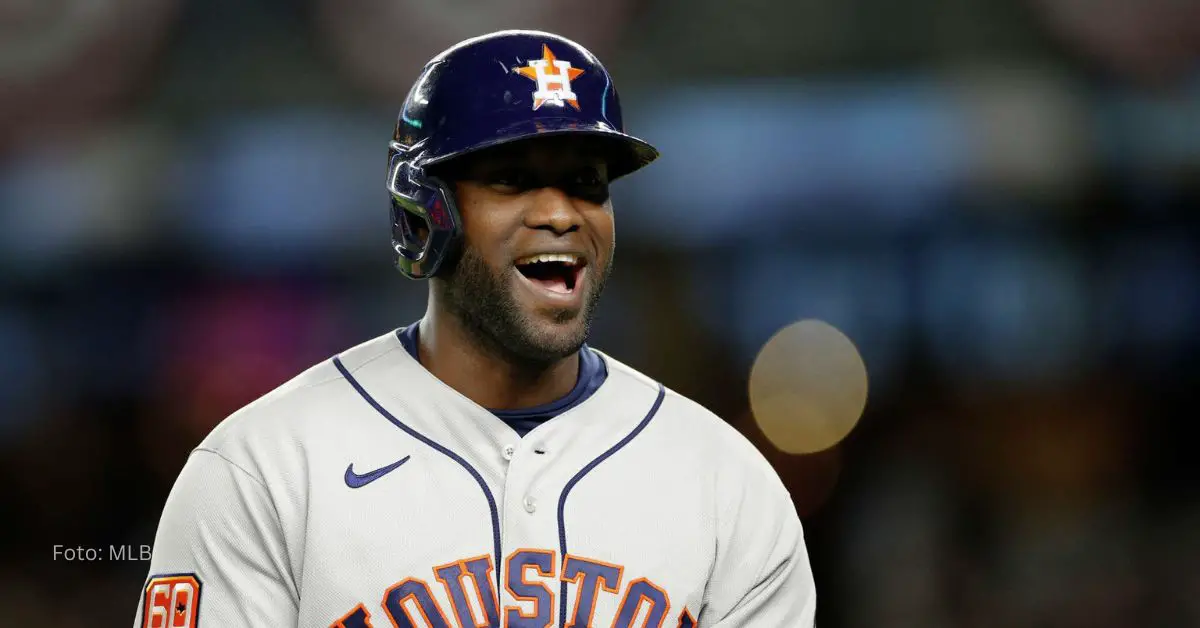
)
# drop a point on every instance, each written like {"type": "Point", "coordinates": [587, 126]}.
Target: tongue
{"type": "Point", "coordinates": [552, 283]}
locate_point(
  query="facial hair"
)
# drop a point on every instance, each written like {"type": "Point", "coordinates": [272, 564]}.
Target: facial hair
{"type": "Point", "coordinates": [481, 298]}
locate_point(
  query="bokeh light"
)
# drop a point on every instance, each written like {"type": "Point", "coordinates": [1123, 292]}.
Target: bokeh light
{"type": "Point", "coordinates": [808, 387]}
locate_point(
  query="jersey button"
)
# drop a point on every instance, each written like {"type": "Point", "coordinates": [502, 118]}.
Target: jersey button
{"type": "Point", "coordinates": [530, 504]}
{"type": "Point", "coordinates": [508, 452]}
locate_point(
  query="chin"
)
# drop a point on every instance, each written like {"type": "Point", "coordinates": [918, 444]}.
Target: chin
{"type": "Point", "coordinates": [550, 337]}
{"type": "Point", "coordinates": [522, 319]}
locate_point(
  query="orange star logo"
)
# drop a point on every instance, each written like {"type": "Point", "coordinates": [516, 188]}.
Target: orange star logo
{"type": "Point", "coordinates": [553, 78]}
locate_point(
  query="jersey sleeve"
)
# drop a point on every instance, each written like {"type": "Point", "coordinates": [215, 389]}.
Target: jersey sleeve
{"type": "Point", "coordinates": [219, 557]}
{"type": "Point", "coordinates": [762, 577]}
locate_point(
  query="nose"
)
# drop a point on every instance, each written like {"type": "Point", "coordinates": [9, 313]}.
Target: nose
{"type": "Point", "coordinates": [553, 210]}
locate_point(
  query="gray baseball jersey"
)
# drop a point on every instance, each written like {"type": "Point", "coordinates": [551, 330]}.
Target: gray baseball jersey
{"type": "Point", "coordinates": [366, 492]}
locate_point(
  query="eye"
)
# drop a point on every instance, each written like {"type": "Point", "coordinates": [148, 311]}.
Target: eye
{"type": "Point", "coordinates": [588, 184]}
{"type": "Point", "coordinates": [589, 178]}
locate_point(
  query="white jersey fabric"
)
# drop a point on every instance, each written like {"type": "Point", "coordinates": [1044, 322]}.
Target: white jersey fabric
{"type": "Point", "coordinates": [366, 492]}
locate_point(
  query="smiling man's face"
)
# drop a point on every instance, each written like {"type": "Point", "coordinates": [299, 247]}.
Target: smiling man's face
{"type": "Point", "coordinates": [537, 246]}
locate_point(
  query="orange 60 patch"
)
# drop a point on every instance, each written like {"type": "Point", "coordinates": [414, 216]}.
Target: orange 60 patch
{"type": "Point", "coordinates": [172, 601]}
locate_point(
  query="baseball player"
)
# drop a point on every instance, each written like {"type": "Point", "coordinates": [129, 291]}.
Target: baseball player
{"type": "Point", "coordinates": [484, 466]}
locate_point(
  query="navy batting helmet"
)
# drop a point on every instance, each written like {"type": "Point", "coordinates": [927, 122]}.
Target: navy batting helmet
{"type": "Point", "coordinates": [486, 91]}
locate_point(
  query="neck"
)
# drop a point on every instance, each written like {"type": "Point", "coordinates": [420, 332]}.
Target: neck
{"type": "Point", "coordinates": [484, 374]}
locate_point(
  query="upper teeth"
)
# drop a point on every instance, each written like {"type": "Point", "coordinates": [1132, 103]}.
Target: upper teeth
{"type": "Point", "coordinates": [565, 258]}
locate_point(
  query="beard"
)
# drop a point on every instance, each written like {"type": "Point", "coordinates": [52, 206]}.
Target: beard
{"type": "Point", "coordinates": [482, 300]}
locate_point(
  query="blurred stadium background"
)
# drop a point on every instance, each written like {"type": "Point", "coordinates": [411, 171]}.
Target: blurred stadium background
{"type": "Point", "coordinates": [995, 199]}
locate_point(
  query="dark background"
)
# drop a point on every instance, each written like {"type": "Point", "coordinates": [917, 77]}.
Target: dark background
{"type": "Point", "coordinates": [994, 198]}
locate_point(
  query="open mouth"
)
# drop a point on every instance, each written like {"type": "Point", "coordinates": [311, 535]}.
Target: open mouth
{"type": "Point", "coordinates": [555, 272]}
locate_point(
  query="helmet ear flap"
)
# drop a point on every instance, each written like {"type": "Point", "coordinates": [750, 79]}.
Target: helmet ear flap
{"type": "Point", "coordinates": [409, 230]}
{"type": "Point", "coordinates": [425, 222]}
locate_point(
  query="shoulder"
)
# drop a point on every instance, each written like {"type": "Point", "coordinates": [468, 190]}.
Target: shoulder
{"type": "Point", "coordinates": [312, 404]}
{"type": "Point", "coordinates": [700, 435]}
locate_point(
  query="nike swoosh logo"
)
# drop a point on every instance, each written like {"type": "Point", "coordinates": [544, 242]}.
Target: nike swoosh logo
{"type": "Point", "coordinates": [354, 480]}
